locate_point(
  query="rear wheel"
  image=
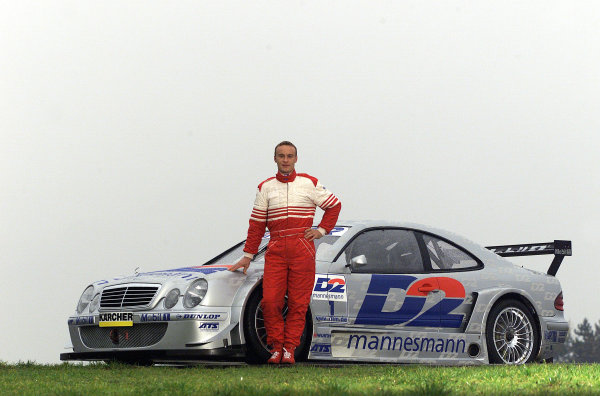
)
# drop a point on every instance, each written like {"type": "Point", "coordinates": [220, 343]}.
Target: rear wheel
{"type": "Point", "coordinates": [511, 333]}
{"type": "Point", "coordinates": [257, 351]}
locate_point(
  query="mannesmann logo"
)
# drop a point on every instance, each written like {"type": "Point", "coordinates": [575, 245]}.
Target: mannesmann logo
{"type": "Point", "coordinates": [412, 344]}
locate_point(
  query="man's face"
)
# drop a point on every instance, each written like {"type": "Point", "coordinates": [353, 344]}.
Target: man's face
{"type": "Point", "coordinates": [285, 157]}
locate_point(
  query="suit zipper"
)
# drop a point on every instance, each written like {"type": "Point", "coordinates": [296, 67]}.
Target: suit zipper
{"type": "Point", "coordinates": [287, 212]}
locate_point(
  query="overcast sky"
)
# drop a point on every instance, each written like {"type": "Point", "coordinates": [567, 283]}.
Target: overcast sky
{"type": "Point", "coordinates": [134, 133]}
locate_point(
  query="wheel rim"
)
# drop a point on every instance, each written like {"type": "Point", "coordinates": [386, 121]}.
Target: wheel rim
{"type": "Point", "coordinates": [513, 336]}
{"type": "Point", "coordinates": [259, 324]}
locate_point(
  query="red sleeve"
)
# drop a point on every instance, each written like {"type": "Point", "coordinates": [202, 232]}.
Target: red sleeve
{"type": "Point", "coordinates": [327, 201]}
{"type": "Point", "coordinates": [256, 231]}
{"type": "Point", "coordinates": [330, 217]}
{"type": "Point", "coordinates": [258, 223]}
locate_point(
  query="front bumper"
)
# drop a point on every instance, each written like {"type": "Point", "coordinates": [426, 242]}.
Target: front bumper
{"type": "Point", "coordinates": [158, 337]}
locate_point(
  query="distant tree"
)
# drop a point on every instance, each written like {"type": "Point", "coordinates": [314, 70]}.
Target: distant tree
{"type": "Point", "coordinates": [582, 344]}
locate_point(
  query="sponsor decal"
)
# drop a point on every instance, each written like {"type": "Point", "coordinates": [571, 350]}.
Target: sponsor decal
{"type": "Point", "coordinates": [155, 317]}
{"type": "Point", "coordinates": [559, 248]}
{"type": "Point", "coordinates": [551, 335]}
{"type": "Point", "coordinates": [522, 249]}
{"type": "Point", "coordinates": [84, 320]}
{"type": "Point", "coordinates": [562, 336]}
{"type": "Point", "coordinates": [171, 273]}
{"type": "Point", "coordinates": [316, 335]}
{"type": "Point", "coordinates": [411, 313]}
{"type": "Point", "coordinates": [320, 349]}
{"type": "Point", "coordinates": [555, 336]}
{"type": "Point", "coordinates": [338, 231]}
{"type": "Point", "coordinates": [379, 342]}
{"type": "Point", "coordinates": [209, 326]}
{"type": "Point", "coordinates": [104, 281]}
{"type": "Point", "coordinates": [184, 272]}
{"type": "Point", "coordinates": [329, 287]}
{"type": "Point", "coordinates": [204, 269]}
{"type": "Point", "coordinates": [81, 320]}
{"type": "Point", "coordinates": [336, 319]}
{"type": "Point", "coordinates": [115, 319]}
{"type": "Point", "coordinates": [202, 316]}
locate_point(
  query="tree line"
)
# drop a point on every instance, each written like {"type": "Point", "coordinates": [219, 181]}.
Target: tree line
{"type": "Point", "coordinates": [582, 344]}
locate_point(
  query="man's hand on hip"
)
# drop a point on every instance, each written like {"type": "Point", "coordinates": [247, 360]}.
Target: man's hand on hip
{"type": "Point", "coordinates": [244, 262]}
{"type": "Point", "coordinates": [310, 234]}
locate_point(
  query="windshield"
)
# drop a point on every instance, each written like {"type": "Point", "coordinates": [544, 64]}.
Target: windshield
{"type": "Point", "coordinates": [236, 252]}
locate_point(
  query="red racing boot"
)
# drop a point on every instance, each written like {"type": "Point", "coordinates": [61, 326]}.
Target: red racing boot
{"type": "Point", "coordinates": [288, 356]}
{"type": "Point", "coordinates": [275, 358]}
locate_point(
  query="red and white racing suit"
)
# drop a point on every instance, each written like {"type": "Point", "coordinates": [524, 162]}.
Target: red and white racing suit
{"type": "Point", "coordinates": [286, 205]}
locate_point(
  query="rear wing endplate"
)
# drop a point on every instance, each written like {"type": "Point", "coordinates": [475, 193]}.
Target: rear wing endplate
{"type": "Point", "coordinates": [559, 249]}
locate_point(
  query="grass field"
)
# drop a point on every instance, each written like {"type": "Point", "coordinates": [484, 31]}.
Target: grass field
{"type": "Point", "coordinates": [117, 379]}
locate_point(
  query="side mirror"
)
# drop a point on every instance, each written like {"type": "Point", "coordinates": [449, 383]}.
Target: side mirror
{"type": "Point", "coordinates": [358, 261]}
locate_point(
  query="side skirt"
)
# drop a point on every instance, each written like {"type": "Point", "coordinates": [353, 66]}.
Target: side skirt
{"type": "Point", "coordinates": [371, 345]}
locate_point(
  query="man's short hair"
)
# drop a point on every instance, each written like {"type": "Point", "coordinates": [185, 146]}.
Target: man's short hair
{"type": "Point", "coordinates": [286, 143]}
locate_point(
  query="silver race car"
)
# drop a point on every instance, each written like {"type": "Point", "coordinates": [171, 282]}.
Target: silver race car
{"type": "Point", "coordinates": [383, 292]}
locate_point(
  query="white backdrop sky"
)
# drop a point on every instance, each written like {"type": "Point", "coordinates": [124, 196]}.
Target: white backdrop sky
{"type": "Point", "coordinates": [134, 133]}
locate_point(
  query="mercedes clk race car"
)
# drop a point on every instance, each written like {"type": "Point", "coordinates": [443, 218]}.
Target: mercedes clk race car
{"type": "Point", "coordinates": [383, 292]}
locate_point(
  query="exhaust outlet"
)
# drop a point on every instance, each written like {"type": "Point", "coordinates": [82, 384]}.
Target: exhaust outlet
{"type": "Point", "coordinates": [473, 350]}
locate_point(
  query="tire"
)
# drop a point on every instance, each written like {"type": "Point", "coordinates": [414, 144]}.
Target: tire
{"type": "Point", "coordinates": [255, 333]}
{"type": "Point", "coordinates": [511, 333]}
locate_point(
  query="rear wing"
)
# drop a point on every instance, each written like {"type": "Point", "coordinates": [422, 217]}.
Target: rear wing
{"type": "Point", "coordinates": [559, 249]}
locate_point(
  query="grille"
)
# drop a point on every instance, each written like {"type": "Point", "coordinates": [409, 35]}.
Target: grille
{"type": "Point", "coordinates": [140, 335]}
{"type": "Point", "coordinates": [127, 296]}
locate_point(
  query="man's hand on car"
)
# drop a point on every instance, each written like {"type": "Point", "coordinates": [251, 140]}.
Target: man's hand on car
{"type": "Point", "coordinates": [310, 234]}
{"type": "Point", "coordinates": [243, 262]}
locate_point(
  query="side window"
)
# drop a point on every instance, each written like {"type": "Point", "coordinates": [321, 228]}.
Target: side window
{"type": "Point", "coordinates": [387, 251]}
{"type": "Point", "coordinates": [445, 256]}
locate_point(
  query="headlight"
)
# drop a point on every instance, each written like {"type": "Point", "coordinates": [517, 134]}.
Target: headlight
{"type": "Point", "coordinates": [85, 299]}
{"type": "Point", "coordinates": [172, 298]}
{"type": "Point", "coordinates": [195, 293]}
{"type": "Point", "coordinates": [95, 303]}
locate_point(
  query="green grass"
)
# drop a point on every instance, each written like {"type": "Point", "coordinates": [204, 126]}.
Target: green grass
{"type": "Point", "coordinates": [117, 379]}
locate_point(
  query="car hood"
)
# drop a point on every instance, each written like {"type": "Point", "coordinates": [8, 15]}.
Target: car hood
{"type": "Point", "coordinates": [164, 276]}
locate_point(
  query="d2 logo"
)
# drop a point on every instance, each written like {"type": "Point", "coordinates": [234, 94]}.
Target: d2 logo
{"type": "Point", "coordinates": [371, 311]}
{"type": "Point", "coordinates": [329, 287]}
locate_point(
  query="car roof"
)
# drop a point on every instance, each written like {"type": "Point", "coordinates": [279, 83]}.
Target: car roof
{"type": "Point", "coordinates": [469, 245]}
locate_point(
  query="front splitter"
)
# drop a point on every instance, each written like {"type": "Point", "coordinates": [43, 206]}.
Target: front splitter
{"type": "Point", "coordinates": [159, 356]}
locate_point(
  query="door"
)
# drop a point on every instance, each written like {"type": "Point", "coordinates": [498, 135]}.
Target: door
{"type": "Point", "coordinates": [387, 285]}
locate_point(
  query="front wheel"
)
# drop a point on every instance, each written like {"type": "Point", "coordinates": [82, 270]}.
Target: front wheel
{"type": "Point", "coordinates": [257, 351]}
{"type": "Point", "coordinates": [511, 333]}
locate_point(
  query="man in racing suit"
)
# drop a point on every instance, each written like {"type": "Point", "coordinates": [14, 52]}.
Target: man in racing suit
{"type": "Point", "coordinates": [286, 204]}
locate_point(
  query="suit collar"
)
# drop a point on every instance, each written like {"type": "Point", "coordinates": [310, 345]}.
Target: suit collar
{"type": "Point", "coordinates": [286, 179]}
